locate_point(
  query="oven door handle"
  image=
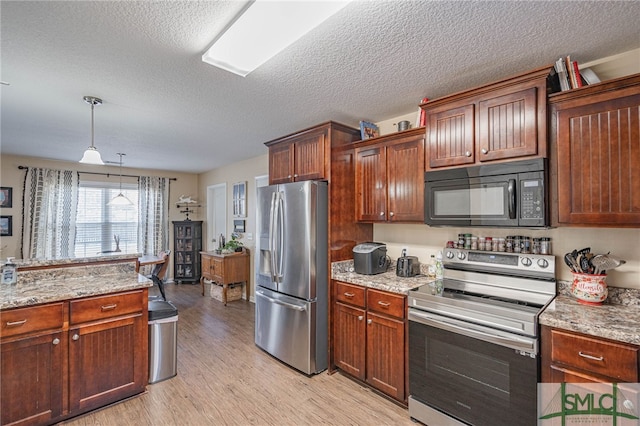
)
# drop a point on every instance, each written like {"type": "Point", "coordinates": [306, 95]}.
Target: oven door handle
{"type": "Point", "coordinates": [512, 341]}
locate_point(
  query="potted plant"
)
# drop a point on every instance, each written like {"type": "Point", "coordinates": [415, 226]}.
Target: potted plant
{"type": "Point", "coordinates": [232, 245]}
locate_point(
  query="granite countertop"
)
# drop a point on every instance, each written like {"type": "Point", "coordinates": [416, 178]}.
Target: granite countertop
{"type": "Point", "coordinates": [617, 319]}
{"type": "Point", "coordinates": [56, 284]}
{"type": "Point", "coordinates": [387, 281]}
{"type": "Point", "coordinates": [40, 263]}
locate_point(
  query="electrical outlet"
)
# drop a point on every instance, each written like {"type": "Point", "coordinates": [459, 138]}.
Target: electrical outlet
{"type": "Point", "coordinates": [248, 236]}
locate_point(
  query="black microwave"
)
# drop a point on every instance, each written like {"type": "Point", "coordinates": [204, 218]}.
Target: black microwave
{"type": "Point", "coordinates": [512, 194]}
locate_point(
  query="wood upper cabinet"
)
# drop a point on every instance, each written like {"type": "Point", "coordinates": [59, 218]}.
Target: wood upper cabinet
{"type": "Point", "coordinates": [390, 178]}
{"type": "Point", "coordinates": [595, 167]}
{"type": "Point", "coordinates": [579, 358]}
{"type": "Point", "coordinates": [369, 338]}
{"type": "Point", "coordinates": [497, 122]}
{"type": "Point", "coordinates": [33, 353]}
{"type": "Point", "coordinates": [306, 155]}
{"type": "Point", "coordinates": [108, 349]}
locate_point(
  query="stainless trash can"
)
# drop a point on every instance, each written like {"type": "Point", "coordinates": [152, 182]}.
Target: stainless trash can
{"type": "Point", "coordinates": [163, 340]}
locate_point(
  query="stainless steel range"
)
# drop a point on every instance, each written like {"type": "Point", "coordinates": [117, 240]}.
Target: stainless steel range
{"type": "Point", "coordinates": [473, 347]}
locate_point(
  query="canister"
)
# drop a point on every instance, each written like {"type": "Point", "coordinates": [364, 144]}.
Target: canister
{"type": "Point", "coordinates": [535, 247]}
{"type": "Point", "coordinates": [509, 242]}
{"type": "Point", "coordinates": [501, 244]}
{"type": "Point", "coordinates": [525, 245]}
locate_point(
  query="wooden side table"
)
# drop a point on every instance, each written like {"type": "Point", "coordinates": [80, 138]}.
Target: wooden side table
{"type": "Point", "coordinates": [224, 269]}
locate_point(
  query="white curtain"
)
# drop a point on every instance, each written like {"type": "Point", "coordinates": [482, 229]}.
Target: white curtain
{"type": "Point", "coordinates": [50, 206]}
{"type": "Point", "coordinates": [153, 211]}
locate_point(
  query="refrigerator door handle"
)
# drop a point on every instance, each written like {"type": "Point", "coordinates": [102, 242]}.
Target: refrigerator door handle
{"type": "Point", "coordinates": [280, 302]}
{"type": "Point", "coordinates": [280, 207]}
{"type": "Point", "coordinates": [272, 230]}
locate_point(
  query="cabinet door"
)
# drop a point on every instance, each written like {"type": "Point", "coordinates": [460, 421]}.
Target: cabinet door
{"type": "Point", "coordinates": [385, 355]}
{"type": "Point", "coordinates": [349, 341]}
{"type": "Point", "coordinates": [217, 270]}
{"type": "Point", "coordinates": [508, 125]}
{"type": "Point", "coordinates": [309, 158]}
{"type": "Point", "coordinates": [32, 382]}
{"type": "Point", "coordinates": [207, 266]}
{"type": "Point", "coordinates": [281, 163]}
{"type": "Point", "coordinates": [107, 361]}
{"type": "Point", "coordinates": [405, 179]}
{"type": "Point", "coordinates": [598, 154]}
{"type": "Point", "coordinates": [371, 184]}
{"type": "Point", "coordinates": [451, 134]}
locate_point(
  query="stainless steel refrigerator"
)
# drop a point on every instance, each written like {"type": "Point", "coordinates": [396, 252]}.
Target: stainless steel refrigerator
{"type": "Point", "coordinates": [292, 274]}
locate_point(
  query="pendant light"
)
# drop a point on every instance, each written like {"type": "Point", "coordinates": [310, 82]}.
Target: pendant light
{"type": "Point", "coordinates": [120, 199]}
{"type": "Point", "coordinates": [91, 155]}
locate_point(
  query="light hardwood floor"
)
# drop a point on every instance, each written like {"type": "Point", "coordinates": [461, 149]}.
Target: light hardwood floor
{"type": "Point", "coordinates": [224, 379]}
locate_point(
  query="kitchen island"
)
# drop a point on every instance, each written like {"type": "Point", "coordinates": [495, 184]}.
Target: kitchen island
{"type": "Point", "coordinates": [73, 339]}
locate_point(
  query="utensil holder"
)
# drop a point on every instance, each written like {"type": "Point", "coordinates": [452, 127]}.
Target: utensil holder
{"type": "Point", "coordinates": [589, 289]}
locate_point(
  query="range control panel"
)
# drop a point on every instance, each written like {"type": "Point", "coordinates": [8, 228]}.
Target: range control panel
{"type": "Point", "coordinates": [536, 265]}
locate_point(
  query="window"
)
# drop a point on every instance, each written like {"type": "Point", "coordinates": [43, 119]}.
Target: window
{"type": "Point", "coordinates": [102, 228]}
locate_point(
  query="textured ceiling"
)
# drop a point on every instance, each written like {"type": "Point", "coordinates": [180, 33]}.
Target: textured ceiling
{"type": "Point", "coordinates": [168, 110]}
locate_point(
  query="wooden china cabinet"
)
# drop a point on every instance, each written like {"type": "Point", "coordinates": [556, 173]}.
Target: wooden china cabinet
{"type": "Point", "coordinates": [187, 244]}
{"type": "Point", "coordinates": [595, 152]}
{"type": "Point", "coordinates": [496, 122]}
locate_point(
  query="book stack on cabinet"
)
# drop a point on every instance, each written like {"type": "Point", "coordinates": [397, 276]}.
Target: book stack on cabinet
{"type": "Point", "coordinates": [570, 76]}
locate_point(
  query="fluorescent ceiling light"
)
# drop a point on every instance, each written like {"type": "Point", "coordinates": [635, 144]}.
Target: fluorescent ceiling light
{"type": "Point", "coordinates": [266, 28]}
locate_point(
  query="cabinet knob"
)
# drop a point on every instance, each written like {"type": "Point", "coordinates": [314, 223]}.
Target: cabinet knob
{"type": "Point", "coordinates": [468, 153]}
{"type": "Point", "coordinates": [56, 341]}
{"type": "Point", "coordinates": [381, 213]}
{"type": "Point", "coordinates": [360, 317]}
{"type": "Point", "coordinates": [289, 177]}
{"type": "Point", "coordinates": [295, 175]}
{"type": "Point", "coordinates": [75, 337]}
{"type": "Point", "coordinates": [390, 213]}
{"type": "Point", "coordinates": [484, 150]}
{"type": "Point", "coordinates": [369, 321]}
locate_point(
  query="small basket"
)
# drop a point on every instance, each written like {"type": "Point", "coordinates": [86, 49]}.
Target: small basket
{"type": "Point", "coordinates": [589, 289]}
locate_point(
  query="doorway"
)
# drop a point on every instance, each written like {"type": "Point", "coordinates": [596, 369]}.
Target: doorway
{"type": "Point", "coordinates": [216, 214]}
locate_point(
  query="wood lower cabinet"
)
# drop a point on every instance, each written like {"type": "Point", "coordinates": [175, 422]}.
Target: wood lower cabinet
{"type": "Point", "coordinates": [578, 358]}
{"type": "Point", "coordinates": [108, 349]}
{"type": "Point", "coordinates": [62, 359]}
{"type": "Point", "coordinates": [497, 122]}
{"type": "Point", "coordinates": [370, 337]}
{"type": "Point", "coordinates": [32, 355]}
{"type": "Point", "coordinates": [390, 179]}
{"type": "Point", "coordinates": [595, 137]}
{"type": "Point", "coordinates": [306, 155]}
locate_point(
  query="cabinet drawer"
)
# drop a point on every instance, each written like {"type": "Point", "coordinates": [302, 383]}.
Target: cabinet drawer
{"type": "Point", "coordinates": [96, 308]}
{"type": "Point", "coordinates": [386, 303]}
{"type": "Point", "coordinates": [352, 294]}
{"type": "Point", "coordinates": [32, 319]}
{"type": "Point", "coordinates": [616, 360]}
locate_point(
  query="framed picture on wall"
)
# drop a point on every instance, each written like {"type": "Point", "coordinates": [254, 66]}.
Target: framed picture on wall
{"type": "Point", "coordinates": [6, 226]}
{"type": "Point", "coordinates": [240, 199]}
{"type": "Point", "coordinates": [6, 196]}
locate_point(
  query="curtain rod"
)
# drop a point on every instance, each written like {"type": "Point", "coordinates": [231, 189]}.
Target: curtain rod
{"type": "Point", "coordinates": [103, 174]}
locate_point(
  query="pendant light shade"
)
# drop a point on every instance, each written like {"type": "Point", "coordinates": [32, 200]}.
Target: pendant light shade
{"type": "Point", "coordinates": [120, 199]}
{"type": "Point", "coordinates": [91, 155]}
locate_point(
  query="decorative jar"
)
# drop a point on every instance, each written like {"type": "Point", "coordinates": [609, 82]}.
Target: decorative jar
{"type": "Point", "coordinates": [589, 289]}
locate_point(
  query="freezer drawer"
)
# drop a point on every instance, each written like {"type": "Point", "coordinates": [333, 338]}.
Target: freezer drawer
{"type": "Point", "coordinates": [292, 330]}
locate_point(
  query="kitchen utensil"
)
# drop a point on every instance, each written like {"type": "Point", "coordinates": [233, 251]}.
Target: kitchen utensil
{"type": "Point", "coordinates": [605, 262]}
{"type": "Point", "coordinates": [571, 262]}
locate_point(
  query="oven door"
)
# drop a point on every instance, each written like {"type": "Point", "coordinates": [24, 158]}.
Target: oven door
{"type": "Point", "coordinates": [477, 380]}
